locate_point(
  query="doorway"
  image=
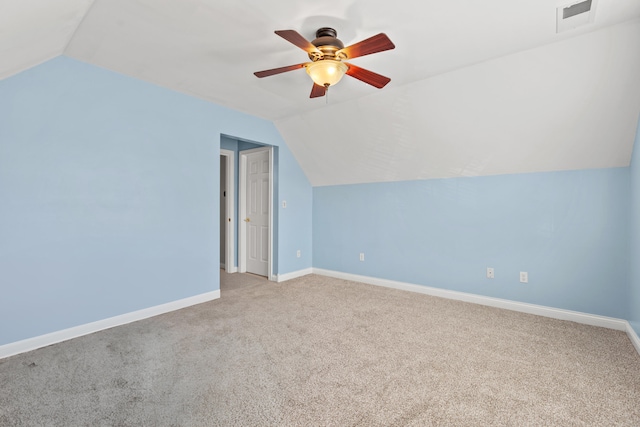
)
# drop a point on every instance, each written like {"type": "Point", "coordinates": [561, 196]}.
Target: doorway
{"type": "Point", "coordinates": [227, 211]}
{"type": "Point", "coordinates": [256, 219]}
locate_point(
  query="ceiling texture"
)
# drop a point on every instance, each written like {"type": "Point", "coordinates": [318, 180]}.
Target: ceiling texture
{"type": "Point", "coordinates": [477, 88]}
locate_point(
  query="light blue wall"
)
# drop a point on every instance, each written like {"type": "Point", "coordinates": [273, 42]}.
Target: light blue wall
{"type": "Point", "coordinates": [568, 230]}
{"type": "Point", "coordinates": [294, 188]}
{"type": "Point", "coordinates": [109, 196]}
{"type": "Point", "coordinates": [108, 204]}
{"type": "Point", "coordinates": [634, 281]}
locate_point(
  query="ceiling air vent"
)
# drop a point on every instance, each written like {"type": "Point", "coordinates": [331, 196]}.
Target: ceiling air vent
{"type": "Point", "coordinates": [574, 15]}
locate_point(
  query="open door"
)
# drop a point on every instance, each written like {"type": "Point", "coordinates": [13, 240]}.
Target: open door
{"type": "Point", "coordinates": [256, 201]}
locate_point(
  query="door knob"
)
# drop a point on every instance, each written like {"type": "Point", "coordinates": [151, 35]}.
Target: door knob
{"type": "Point", "coordinates": [247, 220]}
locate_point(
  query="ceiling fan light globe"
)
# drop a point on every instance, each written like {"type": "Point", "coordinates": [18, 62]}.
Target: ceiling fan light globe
{"type": "Point", "coordinates": [326, 72]}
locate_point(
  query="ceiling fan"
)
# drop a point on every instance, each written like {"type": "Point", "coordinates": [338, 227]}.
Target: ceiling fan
{"type": "Point", "coordinates": [327, 54]}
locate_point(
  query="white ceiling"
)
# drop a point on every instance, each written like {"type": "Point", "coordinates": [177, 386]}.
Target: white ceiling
{"type": "Point", "coordinates": [478, 88]}
{"type": "Point", "coordinates": [34, 31]}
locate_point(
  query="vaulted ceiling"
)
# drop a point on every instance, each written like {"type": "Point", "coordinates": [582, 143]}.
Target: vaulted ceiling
{"type": "Point", "coordinates": [477, 88]}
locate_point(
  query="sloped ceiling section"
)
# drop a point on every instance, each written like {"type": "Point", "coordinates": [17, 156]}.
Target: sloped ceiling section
{"type": "Point", "coordinates": [210, 48]}
{"type": "Point", "coordinates": [478, 88]}
{"type": "Point", "coordinates": [34, 31]}
{"type": "Point", "coordinates": [568, 105]}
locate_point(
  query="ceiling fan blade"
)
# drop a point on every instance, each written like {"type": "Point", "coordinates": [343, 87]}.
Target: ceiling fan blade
{"type": "Point", "coordinates": [375, 44]}
{"type": "Point", "coordinates": [267, 73]}
{"type": "Point", "coordinates": [367, 76]}
{"type": "Point", "coordinates": [317, 91]}
{"type": "Point", "coordinates": [296, 38]}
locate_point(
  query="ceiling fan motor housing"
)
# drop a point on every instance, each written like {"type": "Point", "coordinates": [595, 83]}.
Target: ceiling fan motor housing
{"type": "Point", "coordinates": [327, 42]}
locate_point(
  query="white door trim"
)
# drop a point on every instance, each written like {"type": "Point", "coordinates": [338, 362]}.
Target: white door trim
{"type": "Point", "coordinates": [242, 247]}
{"type": "Point", "coordinates": [230, 221]}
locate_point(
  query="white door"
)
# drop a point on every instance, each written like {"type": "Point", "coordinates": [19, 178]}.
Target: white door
{"type": "Point", "coordinates": [257, 212]}
{"type": "Point", "coordinates": [223, 212]}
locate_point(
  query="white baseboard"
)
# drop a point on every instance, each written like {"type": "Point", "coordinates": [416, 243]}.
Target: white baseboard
{"type": "Point", "coordinates": [540, 310]}
{"type": "Point", "coordinates": [633, 337]}
{"type": "Point", "coordinates": [34, 343]}
{"type": "Point", "coordinates": [294, 275]}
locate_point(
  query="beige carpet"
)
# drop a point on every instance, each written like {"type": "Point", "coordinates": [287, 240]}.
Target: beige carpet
{"type": "Point", "coordinates": [320, 351]}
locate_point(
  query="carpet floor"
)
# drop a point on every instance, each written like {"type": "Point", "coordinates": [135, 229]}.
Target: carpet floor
{"type": "Point", "coordinates": [323, 351]}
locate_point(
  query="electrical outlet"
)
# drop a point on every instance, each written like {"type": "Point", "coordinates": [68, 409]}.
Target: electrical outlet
{"type": "Point", "coordinates": [490, 274]}
{"type": "Point", "coordinates": [298, 253]}
{"type": "Point", "coordinates": [361, 256]}
{"type": "Point", "coordinates": [284, 204]}
{"type": "Point", "coordinates": [524, 277]}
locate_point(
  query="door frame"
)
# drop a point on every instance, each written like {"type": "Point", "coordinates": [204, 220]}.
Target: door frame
{"type": "Point", "coordinates": [242, 208]}
{"type": "Point", "coordinates": [230, 227]}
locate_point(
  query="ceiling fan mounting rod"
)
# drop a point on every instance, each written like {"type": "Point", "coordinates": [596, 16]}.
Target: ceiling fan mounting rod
{"type": "Point", "coordinates": [326, 32]}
